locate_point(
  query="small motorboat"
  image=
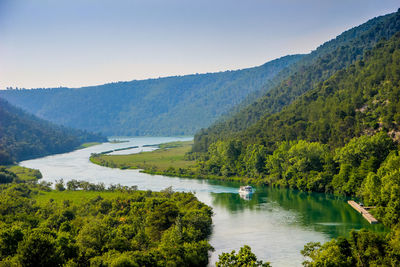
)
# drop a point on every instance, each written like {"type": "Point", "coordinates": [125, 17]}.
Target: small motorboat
{"type": "Point", "coordinates": [247, 189]}
{"type": "Point", "coordinates": [246, 192]}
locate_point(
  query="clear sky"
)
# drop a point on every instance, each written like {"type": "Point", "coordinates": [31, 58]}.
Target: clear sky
{"type": "Point", "coordinates": [51, 43]}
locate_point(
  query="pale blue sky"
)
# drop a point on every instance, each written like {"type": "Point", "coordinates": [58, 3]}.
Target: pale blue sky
{"type": "Point", "coordinates": [51, 43]}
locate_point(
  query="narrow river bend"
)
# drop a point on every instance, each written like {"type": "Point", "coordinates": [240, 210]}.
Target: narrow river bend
{"type": "Point", "coordinates": [276, 223]}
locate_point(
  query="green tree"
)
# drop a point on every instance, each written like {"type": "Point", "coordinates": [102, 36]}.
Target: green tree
{"type": "Point", "coordinates": [9, 239]}
{"type": "Point", "coordinates": [243, 258]}
{"type": "Point", "coordinates": [39, 249]}
{"type": "Point", "coordinates": [60, 185]}
{"type": "Point", "coordinates": [254, 160]}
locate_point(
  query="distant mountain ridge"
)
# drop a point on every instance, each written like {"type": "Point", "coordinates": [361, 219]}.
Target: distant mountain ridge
{"type": "Point", "coordinates": [24, 136]}
{"type": "Point", "coordinates": [178, 105]}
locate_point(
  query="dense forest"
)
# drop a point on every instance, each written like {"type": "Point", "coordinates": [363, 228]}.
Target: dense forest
{"type": "Point", "coordinates": [361, 248]}
{"type": "Point", "coordinates": [166, 106]}
{"type": "Point", "coordinates": [88, 225]}
{"type": "Point", "coordinates": [303, 76]}
{"type": "Point", "coordinates": [361, 99]}
{"type": "Point", "coordinates": [24, 136]}
{"type": "Point", "coordinates": [85, 224]}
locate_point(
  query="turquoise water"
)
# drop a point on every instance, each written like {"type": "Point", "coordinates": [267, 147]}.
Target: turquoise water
{"type": "Point", "coordinates": [275, 222]}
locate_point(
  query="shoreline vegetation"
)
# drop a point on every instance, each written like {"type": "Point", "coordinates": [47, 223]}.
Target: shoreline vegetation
{"type": "Point", "coordinates": [116, 141]}
{"type": "Point", "coordinates": [89, 144]}
{"type": "Point", "coordinates": [18, 174]}
{"type": "Point", "coordinates": [170, 159]}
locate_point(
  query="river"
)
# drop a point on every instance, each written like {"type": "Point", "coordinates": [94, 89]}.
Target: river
{"type": "Point", "coordinates": [276, 223]}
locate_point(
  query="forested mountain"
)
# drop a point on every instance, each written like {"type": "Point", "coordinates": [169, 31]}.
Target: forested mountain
{"type": "Point", "coordinates": [166, 106]}
{"type": "Point", "coordinates": [303, 76]}
{"type": "Point", "coordinates": [24, 136]}
{"type": "Point", "coordinates": [330, 138]}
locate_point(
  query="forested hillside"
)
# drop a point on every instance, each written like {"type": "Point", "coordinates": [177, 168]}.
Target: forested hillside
{"type": "Point", "coordinates": [359, 100]}
{"type": "Point", "coordinates": [24, 136]}
{"type": "Point", "coordinates": [166, 106]}
{"type": "Point", "coordinates": [303, 76]}
{"type": "Point", "coordinates": [320, 141]}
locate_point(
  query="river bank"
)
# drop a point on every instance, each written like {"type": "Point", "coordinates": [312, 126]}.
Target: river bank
{"type": "Point", "coordinates": [168, 159]}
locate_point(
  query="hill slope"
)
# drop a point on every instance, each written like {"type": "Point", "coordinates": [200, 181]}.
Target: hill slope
{"type": "Point", "coordinates": [24, 136]}
{"type": "Point", "coordinates": [303, 76]}
{"type": "Point", "coordinates": [361, 99]}
{"type": "Point", "coordinates": [330, 139]}
{"type": "Point", "coordinates": [165, 106]}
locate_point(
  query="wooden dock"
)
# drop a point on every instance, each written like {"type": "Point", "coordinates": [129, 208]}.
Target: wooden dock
{"type": "Point", "coordinates": [363, 212]}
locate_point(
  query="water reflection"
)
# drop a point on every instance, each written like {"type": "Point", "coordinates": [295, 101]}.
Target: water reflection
{"type": "Point", "coordinates": [248, 196]}
{"type": "Point", "coordinates": [320, 212]}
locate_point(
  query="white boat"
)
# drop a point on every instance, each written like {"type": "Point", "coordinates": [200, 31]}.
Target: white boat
{"type": "Point", "coordinates": [247, 189]}
{"type": "Point", "coordinates": [246, 192]}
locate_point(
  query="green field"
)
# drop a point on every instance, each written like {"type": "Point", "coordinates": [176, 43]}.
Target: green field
{"type": "Point", "coordinates": [86, 145]}
{"type": "Point", "coordinates": [169, 155]}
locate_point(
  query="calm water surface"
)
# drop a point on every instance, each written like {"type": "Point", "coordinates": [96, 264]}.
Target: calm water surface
{"type": "Point", "coordinates": [276, 223]}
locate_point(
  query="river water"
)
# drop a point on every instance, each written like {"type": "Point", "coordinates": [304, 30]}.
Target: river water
{"type": "Point", "coordinates": [276, 223]}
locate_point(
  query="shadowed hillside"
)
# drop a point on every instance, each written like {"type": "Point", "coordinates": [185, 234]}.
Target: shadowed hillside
{"type": "Point", "coordinates": [24, 136]}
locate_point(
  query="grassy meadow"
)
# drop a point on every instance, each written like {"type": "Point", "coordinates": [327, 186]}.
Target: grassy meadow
{"type": "Point", "coordinates": [86, 145]}
{"type": "Point", "coordinates": [167, 156]}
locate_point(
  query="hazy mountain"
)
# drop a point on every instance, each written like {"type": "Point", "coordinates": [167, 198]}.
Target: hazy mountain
{"type": "Point", "coordinates": [165, 106]}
